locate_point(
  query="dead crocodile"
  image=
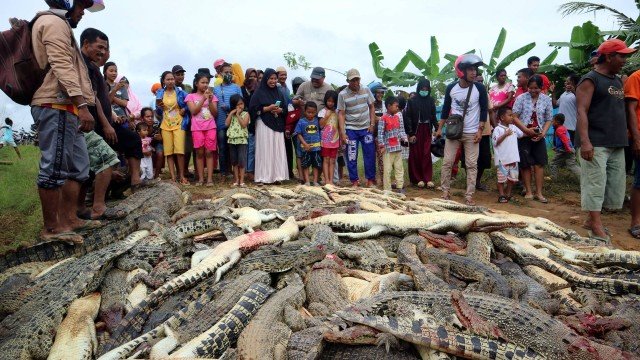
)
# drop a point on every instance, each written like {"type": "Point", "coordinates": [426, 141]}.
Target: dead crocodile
{"type": "Point", "coordinates": [29, 332]}
{"type": "Point", "coordinates": [267, 335]}
{"type": "Point", "coordinates": [216, 264]}
{"type": "Point", "coordinates": [215, 341]}
{"type": "Point", "coordinates": [76, 335]}
{"type": "Point", "coordinates": [369, 225]}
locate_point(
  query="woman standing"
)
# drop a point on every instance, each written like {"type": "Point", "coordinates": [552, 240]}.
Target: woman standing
{"type": "Point", "coordinates": [268, 109]}
{"type": "Point", "coordinates": [420, 117]}
{"type": "Point", "coordinates": [129, 142]}
{"type": "Point", "coordinates": [249, 87]}
{"type": "Point", "coordinates": [534, 110]}
{"type": "Point", "coordinates": [171, 100]}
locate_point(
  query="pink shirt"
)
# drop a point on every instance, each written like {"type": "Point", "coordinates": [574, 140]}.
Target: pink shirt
{"type": "Point", "coordinates": [146, 144]}
{"type": "Point", "coordinates": [203, 120]}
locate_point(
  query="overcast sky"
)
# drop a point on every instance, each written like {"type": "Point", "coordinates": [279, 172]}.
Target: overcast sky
{"type": "Point", "coordinates": [148, 37]}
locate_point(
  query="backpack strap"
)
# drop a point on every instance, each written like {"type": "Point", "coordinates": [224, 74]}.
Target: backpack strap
{"type": "Point", "coordinates": [466, 103]}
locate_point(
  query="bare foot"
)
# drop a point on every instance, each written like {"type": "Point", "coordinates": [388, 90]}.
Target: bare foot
{"type": "Point", "coordinates": [69, 237]}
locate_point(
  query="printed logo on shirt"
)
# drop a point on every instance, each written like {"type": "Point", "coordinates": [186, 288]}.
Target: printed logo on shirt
{"type": "Point", "coordinates": [311, 129]}
{"type": "Point", "coordinates": [619, 93]}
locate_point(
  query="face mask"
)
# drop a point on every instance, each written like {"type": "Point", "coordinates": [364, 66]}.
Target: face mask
{"type": "Point", "coordinates": [424, 93]}
{"type": "Point", "coordinates": [227, 78]}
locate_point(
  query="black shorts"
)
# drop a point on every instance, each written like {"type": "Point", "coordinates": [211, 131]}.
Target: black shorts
{"type": "Point", "coordinates": [238, 155]}
{"type": "Point", "coordinates": [311, 159]}
{"type": "Point", "coordinates": [129, 142]}
{"type": "Point", "coordinates": [532, 152]}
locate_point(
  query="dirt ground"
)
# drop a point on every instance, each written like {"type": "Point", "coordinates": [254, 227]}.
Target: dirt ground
{"type": "Point", "coordinates": [563, 208]}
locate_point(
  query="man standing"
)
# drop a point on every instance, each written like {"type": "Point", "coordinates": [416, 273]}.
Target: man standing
{"type": "Point", "coordinates": [602, 135]}
{"type": "Point", "coordinates": [533, 63]}
{"type": "Point", "coordinates": [357, 117]}
{"type": "Point", "coordinates": [313, 90]}
{"type": "Point", "coordinates": [632, 98]}
{"type": "Point", "coordinates": [224, 92]}
{"type": "Point", "coordinates": [455, 102]}
{"type": "Point", "coordinates": [281, 72]}
{"type": "Point", "coordinates": [60, 107]}
{"type": "Point", "coordinates": [101, 156]}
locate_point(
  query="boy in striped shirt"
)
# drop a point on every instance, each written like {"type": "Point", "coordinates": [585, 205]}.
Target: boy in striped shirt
{"type": "Point", "coordinates": [390, 136]}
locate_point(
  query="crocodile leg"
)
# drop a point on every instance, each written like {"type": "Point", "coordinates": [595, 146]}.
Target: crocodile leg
{"type": "Point", "coordinates": [371, 233]}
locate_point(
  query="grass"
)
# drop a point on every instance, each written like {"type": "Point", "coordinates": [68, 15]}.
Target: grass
{"type": "Point", "coordinates": [20, 211]}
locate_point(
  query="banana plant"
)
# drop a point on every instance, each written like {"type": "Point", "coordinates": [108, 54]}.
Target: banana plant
{"type": "Point", "coordinates": [494, 64]}
{"type": "Point", "coordinates": [584, 39]}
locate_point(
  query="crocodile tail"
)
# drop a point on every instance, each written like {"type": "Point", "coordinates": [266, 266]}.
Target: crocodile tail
{"type": "Point", "coordinates": [47, 251]}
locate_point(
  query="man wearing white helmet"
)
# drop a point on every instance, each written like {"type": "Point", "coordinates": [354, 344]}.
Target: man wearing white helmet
{"type": "Point", "coordinates": [475, 117]}
{"type": "Point", "coordinates": [60, 110]}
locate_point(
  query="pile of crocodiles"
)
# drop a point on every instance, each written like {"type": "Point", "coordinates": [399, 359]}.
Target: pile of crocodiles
{"type": "Point", "coordinates": [318, 273]}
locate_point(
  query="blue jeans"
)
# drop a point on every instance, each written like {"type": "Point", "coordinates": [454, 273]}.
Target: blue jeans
{"type": "Point", "coordinates": [223, 152]}
{"type": "Point", "coordinates": [365, 138]}
{"type": "Point", "coordinates": [251, 153]}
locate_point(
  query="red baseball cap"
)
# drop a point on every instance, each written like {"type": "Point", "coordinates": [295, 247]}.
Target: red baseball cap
{"type": "Point", "coordinates": [614, 46]}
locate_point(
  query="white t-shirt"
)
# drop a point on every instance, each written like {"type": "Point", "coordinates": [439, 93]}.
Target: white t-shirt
{"type": "Point", "coordinates": [507, 151]}
{"type": "Point", "coordinates": [567, 106]}
{"type": "Point", "coordinates": [458, 98]}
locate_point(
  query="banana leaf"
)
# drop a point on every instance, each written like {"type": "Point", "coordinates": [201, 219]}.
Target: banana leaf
{"type": "Point", "coordinates": [402, 64]}
{"type": "Point", "coordinates": [497, 49]}
{"type": "Point", "coordinates": [550, 58]}
{"type": "Point", "coordinates": [571, 44]}
{"type": "Point", "coordinates": [376, 60]}
{"type": "Point", "coordinates": [515, 55]}
{"type": "Point", "coordinates": [418, 62]}
{"type": "Point", "coordinates": [434, 57]}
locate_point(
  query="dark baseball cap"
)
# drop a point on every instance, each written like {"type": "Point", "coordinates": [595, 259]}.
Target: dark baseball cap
{"type": "Point", "coordinates": [206, 72]}
{"type": "Point", "coordinates": [177, 69]}
{"type": "Point", "coordinates": [317, 73]}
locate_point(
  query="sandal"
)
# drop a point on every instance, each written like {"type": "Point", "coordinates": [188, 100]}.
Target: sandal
{"type": "Point", "coordinates": [606, 239]}
{"type": "Point", "coordinates": [243, 185]}
{"type": "Point", "coordinates": [541, 199]}
{"type": "Point", "coordinates": [69, 237]}
{"type": "Point", "coordinates": [634, 231]}
{"type": "Point", "coordinates": [199, 183]}
{"type": "Point", "coordinates": [209, 184]}
{"type": "Point", "coordinates": [184, 182]}
{"type": "Point", "coordinates": [469, 202]}
{"type": "Point", "coordinates": [445, 196]}
{"type": "Point", "coordinates": [503, 199]}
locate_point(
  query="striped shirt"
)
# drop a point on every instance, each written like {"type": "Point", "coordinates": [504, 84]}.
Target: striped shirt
{"type": "Point", "coordinates": [356, 107]}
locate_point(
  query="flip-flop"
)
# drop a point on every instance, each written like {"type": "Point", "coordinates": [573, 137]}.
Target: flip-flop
{"type": "Point", "coordinates": [606, 240]}
{"type": "Point", "coordinates": [69, 237]}
{"type": "Point", "coordinates": [606, 229]}
{"type": "Point", "coordinates": [634, 231]}
{"type": "Point", "coordinates": [541, 199]}
{"type": "Point", "coordinates": [89, 225]}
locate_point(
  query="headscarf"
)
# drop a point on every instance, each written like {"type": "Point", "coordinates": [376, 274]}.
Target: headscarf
{"type": "Point", "coordinates": [265, 96]}
{"type": "Point", "coordinates": [248, 73]}
{"type": "Point", "coordinates": [421, 106]}
{"type": "Point", "coordinates": [133, 105]}
{"type": "Point", "coordinates": [238, 75]}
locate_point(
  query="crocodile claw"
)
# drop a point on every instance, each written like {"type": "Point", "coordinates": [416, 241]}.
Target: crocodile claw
{"type": "Point", "coordinates": [388, 340]}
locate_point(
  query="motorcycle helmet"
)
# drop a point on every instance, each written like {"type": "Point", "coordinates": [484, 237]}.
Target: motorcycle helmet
{"type": "Point", "coordinates": [375, 86]}
{"type": "Point", "coordinates": [437, 148]}
{"type": "Point", "coordinates": [465, 61]}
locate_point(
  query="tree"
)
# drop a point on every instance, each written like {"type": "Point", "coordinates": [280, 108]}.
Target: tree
{"type": "Point", "coordinates": [295, 61]}
{"type": "Point", "coordinates": [629, 28]}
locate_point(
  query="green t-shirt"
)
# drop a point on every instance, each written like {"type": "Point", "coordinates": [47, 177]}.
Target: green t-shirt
{"type": "Point", "coordinates": [236, 134]}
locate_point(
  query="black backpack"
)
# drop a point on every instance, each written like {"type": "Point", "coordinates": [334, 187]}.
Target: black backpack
{"type": "Point", "coordinates": [20, 74]}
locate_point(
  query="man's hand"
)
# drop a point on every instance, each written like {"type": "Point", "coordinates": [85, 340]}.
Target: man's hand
{"type": "Point", "coordinates": [438, 133]}
{"type": "Point", "coordinates": [86, 119]}
{"type": "Point", "coordinates": [344, 138]}
{"type": "Point", "coordinates": [478, 136]}
{"type": "Point", "coordinates": [371, 127]}
{"type": "Point", "coordinates": [110, 134]}
{"type": "Point", "coordinates": [586, 150]}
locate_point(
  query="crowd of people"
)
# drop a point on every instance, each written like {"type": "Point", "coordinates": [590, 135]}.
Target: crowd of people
{"type": "Point", "coordinates": [254, 126]}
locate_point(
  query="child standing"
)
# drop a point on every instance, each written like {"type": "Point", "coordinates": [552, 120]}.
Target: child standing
{"type": "Point", "coordinates": [390, 136]}
{"type": "Point", "coordinates": [7, 136]}
{"type": "Point", "coordinates": [203, 106]}
{"type": "Point", "coordinates": [563, 148]}
{"type": "Point", "coordinates": [237, 138]}
{"type": "Point", "coordinates": [505, 148]}
{"type": "Point", "coordinates": [308, 133]}
{"type": "Point", "coordinates": [146, 163]}
{"type": "Point", "coordinates": [330, 136]}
